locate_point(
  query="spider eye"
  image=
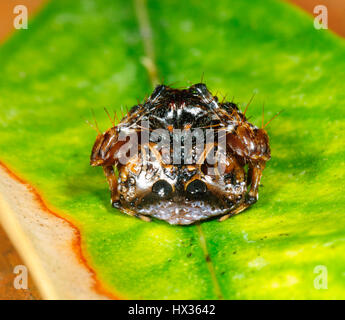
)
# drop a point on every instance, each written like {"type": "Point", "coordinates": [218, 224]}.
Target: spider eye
{"type": "Point", "coordinates": [162, 188]}
{"type": "Point", "coordinates": [157, 92]}
{"type": "Point", "coordinates": [196, 187]}
{"type": "Point", "coordinates": [201, 89]}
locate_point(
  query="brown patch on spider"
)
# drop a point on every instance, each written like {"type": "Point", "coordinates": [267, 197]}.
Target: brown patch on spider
{"type": "Point", "coordinates": [183, 193]}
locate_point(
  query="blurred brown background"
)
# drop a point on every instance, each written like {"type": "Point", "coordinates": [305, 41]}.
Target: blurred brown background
{"type": "Point", "coordinates": [336, 12]}
{"type": "Point", "coordinates": [8, 255]}
{"type": "Point", "coordinates": [7, 15]}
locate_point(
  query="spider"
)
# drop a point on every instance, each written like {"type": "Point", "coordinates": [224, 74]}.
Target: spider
{"type": "Point", "coordinates": [162, 149]}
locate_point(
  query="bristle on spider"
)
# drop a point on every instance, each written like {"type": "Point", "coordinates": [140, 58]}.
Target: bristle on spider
{"type": "Point", "coordinates": [109, 117]}
{"type": "Point", "coordinates": [95, 121]}
{"type": "Point", "coordinates": [250, 101]}
{"type": "Point", "coordinates": [276, 115]}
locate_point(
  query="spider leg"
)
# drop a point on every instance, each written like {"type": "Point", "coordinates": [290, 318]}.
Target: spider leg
{"type": "Point", "coordinates": [239, 209]}
{"type": "Point", "coordinates": [112, 181]}
{"type": "Point", "coordinates": [254, 177]}
{"type": "Point", "coordinates": [138, 215]}
{"type": "Point", "coordinates": [144, 218]}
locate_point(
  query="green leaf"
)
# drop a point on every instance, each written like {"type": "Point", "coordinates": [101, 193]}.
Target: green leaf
{"type": "Point", "coordinates": [84, 54]}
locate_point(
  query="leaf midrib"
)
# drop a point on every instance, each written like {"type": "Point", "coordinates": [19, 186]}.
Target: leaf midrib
{"type": "Point", "coordinates": [150, 65]}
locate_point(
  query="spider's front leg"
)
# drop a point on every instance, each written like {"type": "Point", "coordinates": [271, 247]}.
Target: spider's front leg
{"type": "Point", "coordinates": [255, 169]}
{"type": "Point", "coordinates": [105, 153]}
{"type": "Point", "coordinates": [112, 181]}
{"type": "Point", "coordinates": [250, 144]}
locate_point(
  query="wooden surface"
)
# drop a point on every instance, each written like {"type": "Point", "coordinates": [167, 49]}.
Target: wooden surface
{"type": "Point", "coordinates": [8, 255]}
{"type": "Point", "coordinates": [8, 260]}
{"type": "Point", "coordinates": [7, 15]}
